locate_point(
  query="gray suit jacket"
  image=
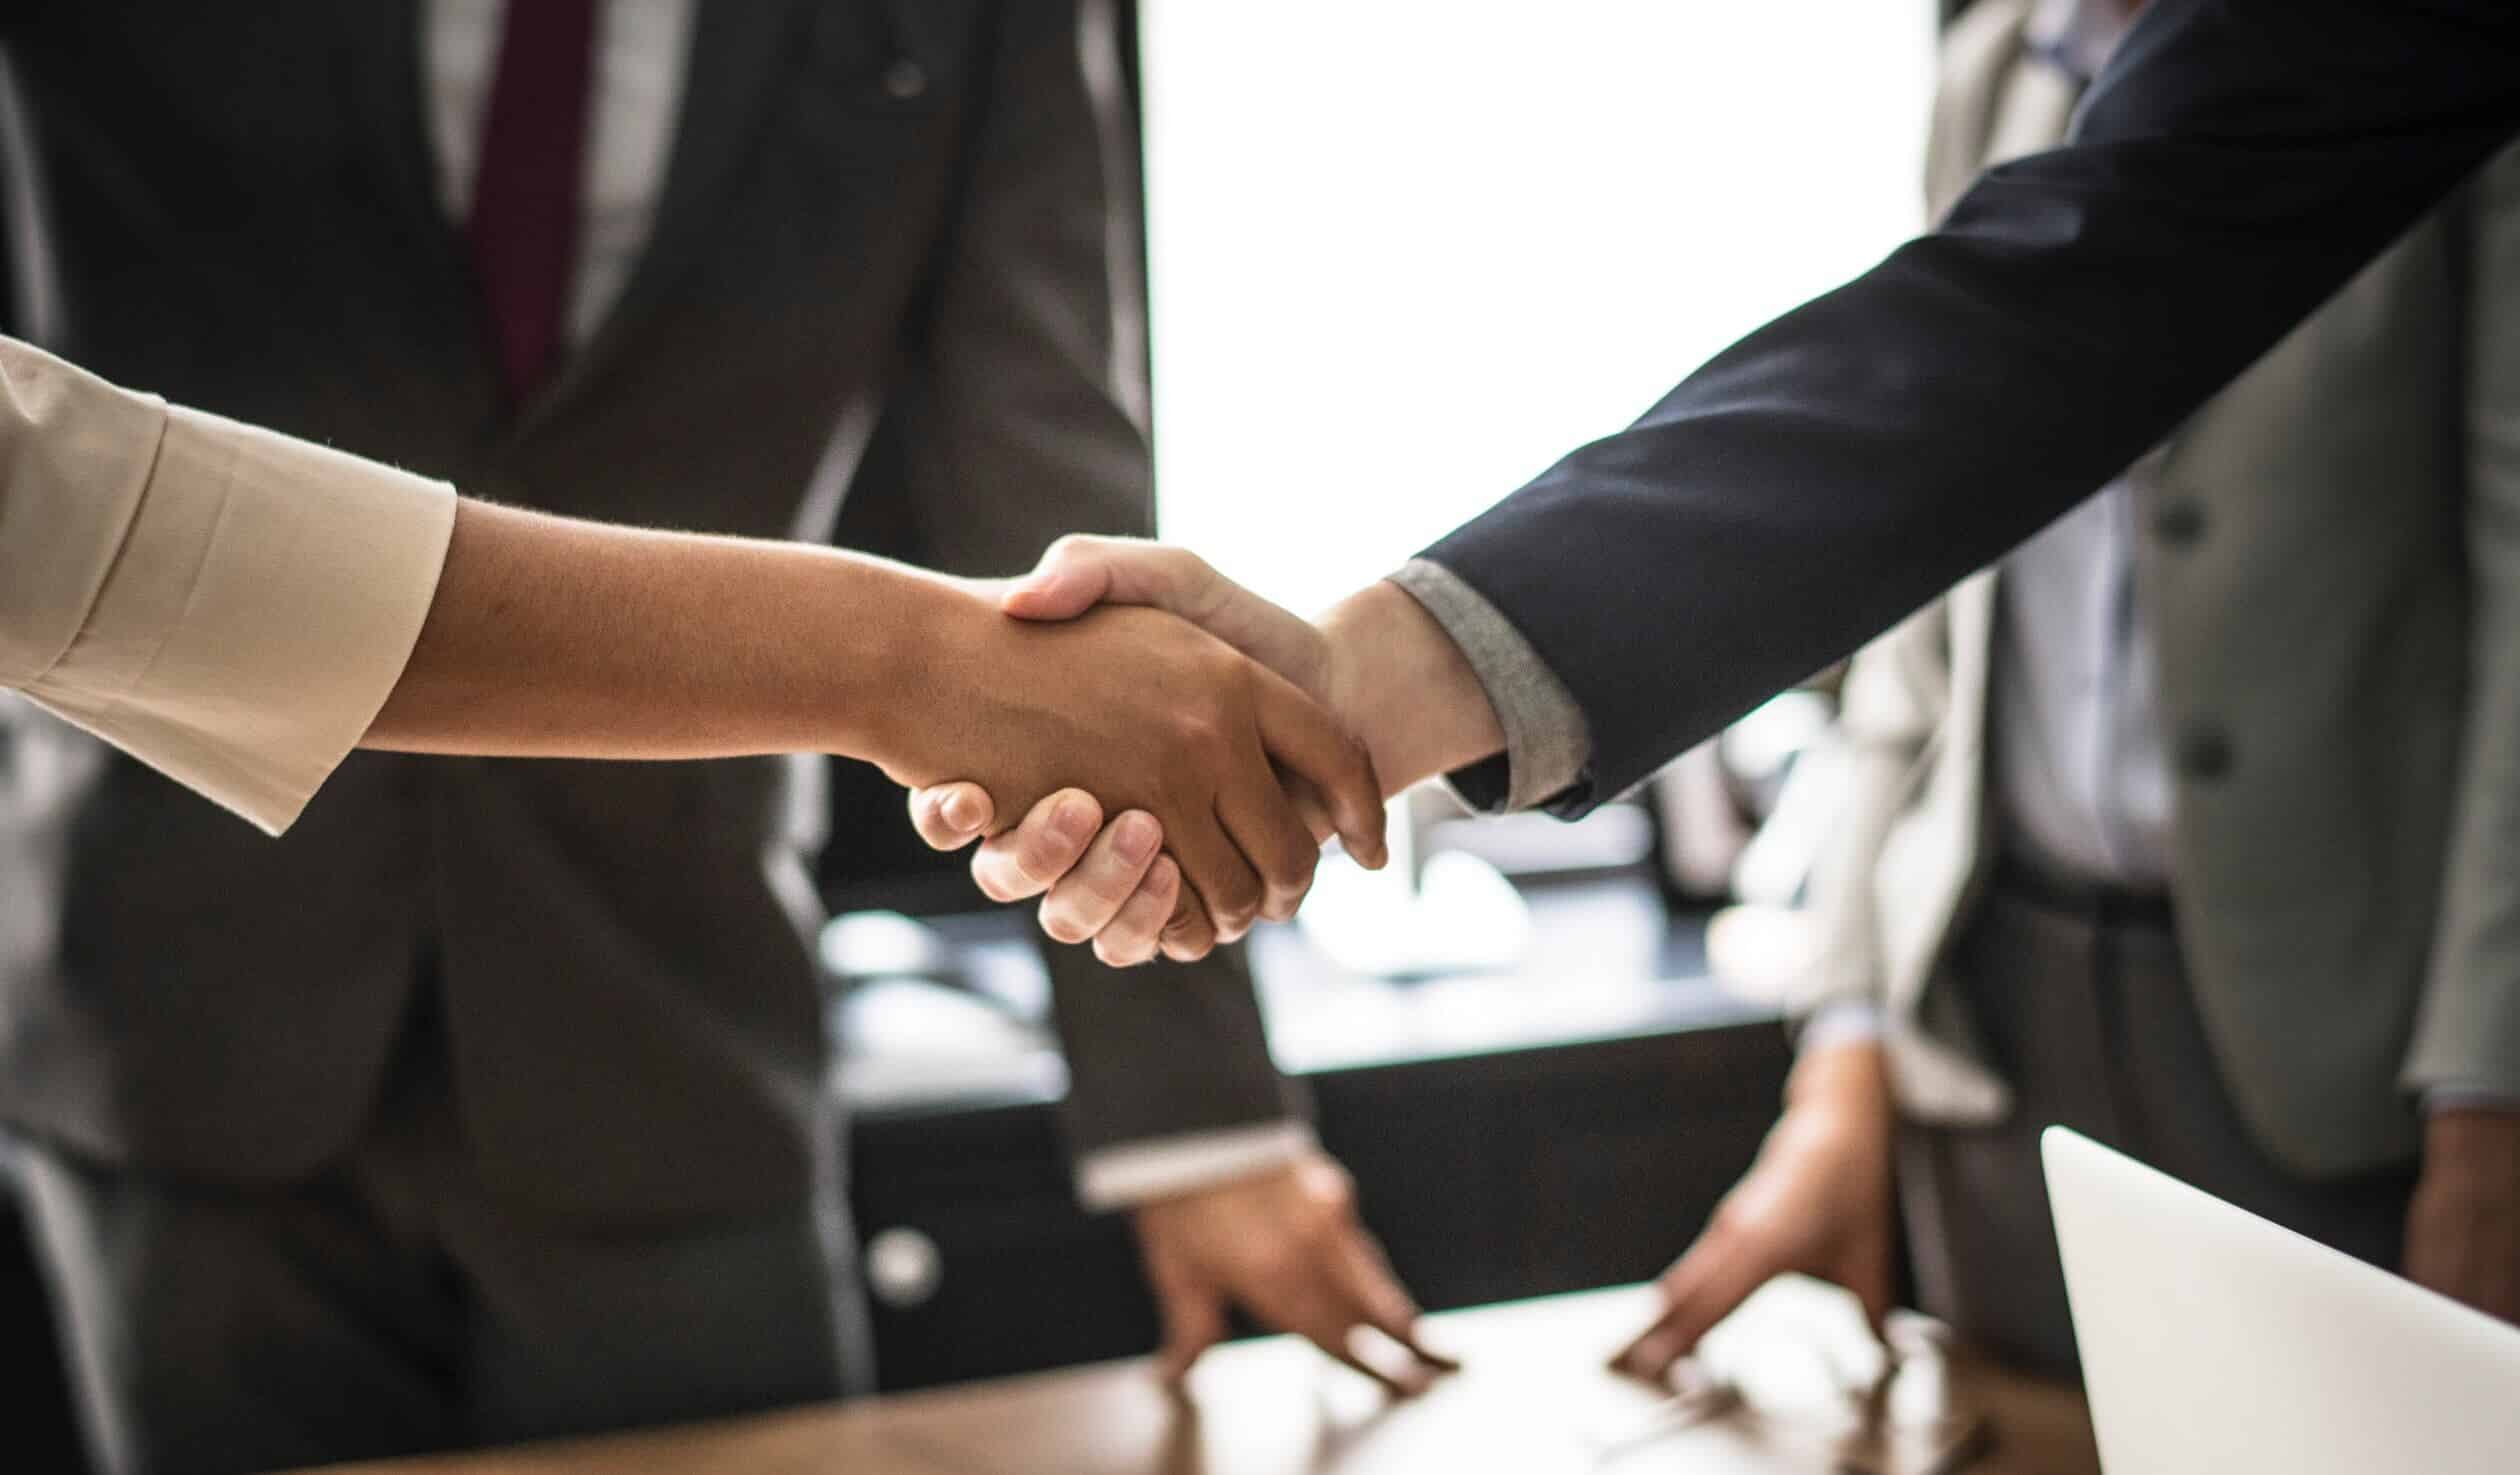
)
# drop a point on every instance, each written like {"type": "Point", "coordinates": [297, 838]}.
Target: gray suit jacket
{"type": "Point", "coordinates": [246, 222]}
{"type": "Point", "coordinates": [2333, 568]}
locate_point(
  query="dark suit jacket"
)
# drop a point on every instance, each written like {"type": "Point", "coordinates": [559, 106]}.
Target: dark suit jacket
{"type": "Point", "coordinates": [1829, 473]}
{"type": "Point", "coordinates": [247, 221]}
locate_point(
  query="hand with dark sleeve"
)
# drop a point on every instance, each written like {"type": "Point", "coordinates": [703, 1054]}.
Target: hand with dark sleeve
{"type": "Point", "coordinates": [2236, 163]}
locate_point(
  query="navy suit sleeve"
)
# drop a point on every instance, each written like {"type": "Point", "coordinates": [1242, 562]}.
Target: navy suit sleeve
{"type": "Point", "coordinates": [1835, 469]}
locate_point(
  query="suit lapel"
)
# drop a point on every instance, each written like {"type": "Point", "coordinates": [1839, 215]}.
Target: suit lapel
{"type": "Point", "coordinates": [381, 64]}
{"type": "Point", "coordinates": [736, 49]}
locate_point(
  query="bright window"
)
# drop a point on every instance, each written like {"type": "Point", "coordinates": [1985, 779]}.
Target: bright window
{"type": "Point", "coordinates": [1404, 253]}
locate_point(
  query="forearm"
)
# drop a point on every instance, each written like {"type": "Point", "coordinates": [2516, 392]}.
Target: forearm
{"type": "Point", "coordinates": [550, 637]}
{"type": "Point", "coordinates": [1405, 688]}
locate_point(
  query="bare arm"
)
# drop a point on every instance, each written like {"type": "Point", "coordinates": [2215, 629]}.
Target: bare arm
{"type": "Point", "coordinates": [551, 637]}
{"type": "Point", "coordinates": [556, 638]}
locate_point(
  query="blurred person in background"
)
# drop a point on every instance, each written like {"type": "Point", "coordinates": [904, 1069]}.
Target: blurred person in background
{"type": "Point", "coordinates": [546, 1145]}
{"type": "Point", "coordinates": [2192, 824]}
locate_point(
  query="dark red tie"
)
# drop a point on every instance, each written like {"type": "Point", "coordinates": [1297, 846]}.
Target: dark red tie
{"type": "Point", "coordinates": [524, 225]}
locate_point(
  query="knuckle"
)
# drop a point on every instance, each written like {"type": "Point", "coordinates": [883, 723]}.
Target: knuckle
{"type": "Point", "coordinates": [1061, 924]}
{"type": "Point", "coordinates": [1038, 860]}
{"type": "Point", "coordinates": [1279, 1261]}
{"type": "Point", "coordinates": [1237, 902]}
{"type": "Point", "coordinates": [1360, 761]}
{"type": "Point", "coordinates": [985, 874]}
{"type": "Point", "coordinates": [1199, 727]}
{"type": "Point", "coordinates": [1334, 1187]}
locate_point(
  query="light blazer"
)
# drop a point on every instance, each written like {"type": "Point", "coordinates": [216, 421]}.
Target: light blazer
{"type": "Point", "coordinates": [2325, 550]}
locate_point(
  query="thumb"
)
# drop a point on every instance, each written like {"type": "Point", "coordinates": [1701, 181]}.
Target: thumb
{"type": "Point", "coordinates": [1080, 572]}
{"type": "Point", "coordinates": [951, 816]}
{"type": "Point", "coordinates": [1070, 580]}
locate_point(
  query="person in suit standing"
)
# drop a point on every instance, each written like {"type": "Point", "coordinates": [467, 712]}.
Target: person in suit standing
{"type": "Point", "coordinates": [2231, 168]}
{"type": "Point", "coordinates": [2110, 857]}
{"type": "Point", "coordinates": [545, 1145]}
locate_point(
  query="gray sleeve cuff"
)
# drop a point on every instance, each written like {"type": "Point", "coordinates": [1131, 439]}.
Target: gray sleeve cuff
{"type": "Point", "coordinates": [1547, 743]}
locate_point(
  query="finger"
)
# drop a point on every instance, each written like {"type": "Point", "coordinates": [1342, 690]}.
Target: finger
{"type": "Point", "coordinates": [1335, 1336]}
{"type": "Point", "coordinates": [1137, 932]}
{"type": "Point", "coordinates": [1315, 1304]}
{"type": "Point", "coordinates": [1084, 901]}
{"type": "Point", "coordinates": [1306, 1309]}
{"type": "Point", "coordinates": [951, 816]}
{"type": "Point", "coordinates": [1710, 1281]}
{"type": "Point", "coordinates": [1270, 834]}
{"type": "Point", "coordinates": [1226, 884]}
{"type": "Point", "coordinates": [1190, 934]}
{"type": "Point", "coordinates": [1193, 1317]}
{"type": "Point", "coordinates": [1309, 744]}
{"type": "Point", "coordinates": [1030, 859]}
{"type": "Point", "coordinates": [1310, 807]}
{"type": "Point", "coordinates": [1382, 1301]}
{"type": "Point", "coordinates": [1392, 1383]}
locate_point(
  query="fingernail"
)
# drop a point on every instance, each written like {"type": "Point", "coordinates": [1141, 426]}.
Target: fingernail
{"type": "Point", "coordinates": [1135, 838]}
{"type": "Point", "coordinates": [1072, 822]}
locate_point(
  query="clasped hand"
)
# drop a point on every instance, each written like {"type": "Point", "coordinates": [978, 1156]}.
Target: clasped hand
{"type": "Point", "coordinates": [1236, 772]}
{"type": "Point", "coordinates": [1128, 854]}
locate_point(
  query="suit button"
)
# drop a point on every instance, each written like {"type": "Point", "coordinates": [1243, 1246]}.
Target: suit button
{"type": "Point", "coordinates": [2179, 521]}
{"type": "Point", "coordinates": [2204, 753]}
{"type": "Point", "coordinates": [903, 1268]}
{"type": "Point", "coordinates": [905, 79]}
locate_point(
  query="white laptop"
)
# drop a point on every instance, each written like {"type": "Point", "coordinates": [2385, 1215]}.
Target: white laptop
{"type": "Point", "coordinates": [2214, 1342]}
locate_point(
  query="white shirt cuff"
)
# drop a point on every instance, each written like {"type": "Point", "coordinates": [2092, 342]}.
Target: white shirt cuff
{"type": "Point", "coordinates": [265, 599]}
{"type": "Point", "coordinates": [2457, 1096]}
{"type": "Point", "coordinates": [1844, 1022]}
{"type": "Point", "coordinates": [1135, 1173]}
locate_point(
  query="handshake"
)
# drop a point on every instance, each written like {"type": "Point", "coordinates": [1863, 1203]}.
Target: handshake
{"type": "Point", "coordinates": [1160, 754]}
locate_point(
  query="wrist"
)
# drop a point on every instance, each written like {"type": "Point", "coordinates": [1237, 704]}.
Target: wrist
{"type": "Point", "coordinates": [918, 633]}
{"type": "Point", "coordinates": [1846, 1082]}
{"type": "Point", "coordinates": [2473, 1144]}
{"type": "Point", "coordinates": [1401, 685]}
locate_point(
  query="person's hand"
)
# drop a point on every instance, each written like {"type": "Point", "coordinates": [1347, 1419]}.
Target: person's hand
{"type": "Point", "coordinates": [1286, 1245]}
{"type": "Point", "coordinates": [2463, 1228]}
{"type": "Point", "coordinates": [1377, 661]}
{"type": "Point", "coordinates": [1143, 711]}
{"type": "Point", "coordinates": [1816, 1201]}
{"type": "Point", "coordinates": [1103, 883]}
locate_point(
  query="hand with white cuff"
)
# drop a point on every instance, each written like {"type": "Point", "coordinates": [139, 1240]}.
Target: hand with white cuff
{"type": "Point", "coordinates": [1377, 661]}
{"type": "Point", "coordinates": [1816, 1201]}
{"type": "Point", "coordinates": [1286, 1244]}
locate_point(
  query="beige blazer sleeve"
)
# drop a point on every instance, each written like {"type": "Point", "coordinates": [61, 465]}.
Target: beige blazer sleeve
{"type": "Point", "coordinates": [227, 605]}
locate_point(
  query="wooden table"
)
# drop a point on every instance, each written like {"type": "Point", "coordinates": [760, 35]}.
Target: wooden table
{"type": "Point", "coordinates": [1533, 1399]}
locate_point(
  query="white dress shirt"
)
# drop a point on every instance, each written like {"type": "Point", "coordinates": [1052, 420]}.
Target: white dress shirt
{"type": "Point", "coordinates": [230, 606]}
{"type": "Point", "coordinates": [2076, 755]}
{"type": "Point", "coordinates": [642, 53]}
